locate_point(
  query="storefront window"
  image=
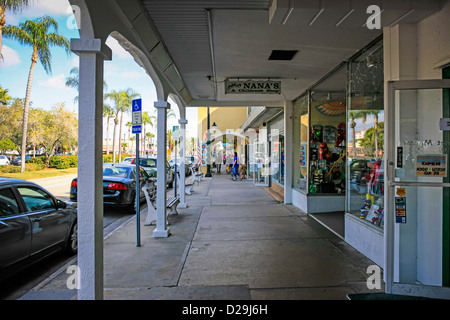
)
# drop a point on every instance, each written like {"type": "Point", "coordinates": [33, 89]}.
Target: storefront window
{"type": "Point", "coordinates": [327, 143]}
{"type": "Point", "coordinates": [277, 149]}
{"type": "Point", "coordinates": [365, 148]}
{"type": "Point", "coordinates": [300, 154]}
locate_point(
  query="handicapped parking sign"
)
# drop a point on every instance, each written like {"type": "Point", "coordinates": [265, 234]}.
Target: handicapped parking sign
{"type": "Point", "coordinates": [137, 112]}
{"type": "Point", "coordinates": [137, 105]}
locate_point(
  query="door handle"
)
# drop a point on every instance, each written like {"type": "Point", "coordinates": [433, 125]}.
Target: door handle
{"type": "Point", "coordinates": [36, 219]}
{"type": "Point", "coordinates": [420, 184]}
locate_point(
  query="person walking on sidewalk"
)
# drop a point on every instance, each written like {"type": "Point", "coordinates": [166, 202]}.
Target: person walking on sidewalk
{"type": "Point", "coordinates": [235, 172]}
{"type": "Point", "coordinates": [219, 161]}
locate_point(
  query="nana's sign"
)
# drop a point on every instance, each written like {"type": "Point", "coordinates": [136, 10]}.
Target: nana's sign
{"type": "Point", "coordinates": [252, 87]}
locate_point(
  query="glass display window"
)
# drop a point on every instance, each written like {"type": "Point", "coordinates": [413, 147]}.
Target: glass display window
{"type": "Point", "coordinates": [327, 143]}
{"type": "Point", "coordinates": [365, 147]}
{"type": "Point", "coordinates": [277, 150]}
{"type": "Point", "coordinates": [300, 152]}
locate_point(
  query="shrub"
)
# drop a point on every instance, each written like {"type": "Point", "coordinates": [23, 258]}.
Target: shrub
{"type": "Point", "coordinates": [28, 167]}
{"type": "Point", "coordinates": [107, 158]}
{"type": "Point", "coordinates": [73, 161]}
{"type": "Point", "coordinates": [59, 162]}
{"type": "Point", "coordinates": [37, 160]}
{"type": "Point", "coordinates": [10, 169]}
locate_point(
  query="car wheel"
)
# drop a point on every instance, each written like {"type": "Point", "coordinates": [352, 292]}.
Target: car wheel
{"type": "Point", "coordinates": [72, 241]}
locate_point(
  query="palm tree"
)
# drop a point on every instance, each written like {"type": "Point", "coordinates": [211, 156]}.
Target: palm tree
{"type": "Point", "coordinates": [374, 113]}
{"type": "Point", "coordinates": [170, 142]}
{"type": "Point", "coordinates": [4, 96]}
{"type": "Point", "coordinates": [353, 115]}
{"type": "Point", "coordinates": [14, 6]}
{"type": "Point", "coordinates": [35, 33]}
{"type": "Point", "coordinates": [108, 113]}
{"type": "Point", "coordinates": [117, 98]}
{"type": "Point", "coordinates": [73, 81]}
{"type": "Point", "coordinates": [146, 119]}
{"type": "Point", "coordinates": [129, 125]}
{"type": "Point", "coordinates": [122, 102]}
{"type": "Point", "coordinates": [130, 95]}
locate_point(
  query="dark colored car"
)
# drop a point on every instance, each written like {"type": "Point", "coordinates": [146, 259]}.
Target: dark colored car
{"type": "Point", "coordinates": [18, 160]}
{"type": "Point", "coordinates": [119, 186]}
{"type": "Point", "coordinates": [33, 225]}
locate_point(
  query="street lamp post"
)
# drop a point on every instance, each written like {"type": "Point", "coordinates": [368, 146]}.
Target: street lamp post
{"type": "Point", "coordinates": [208, 150]}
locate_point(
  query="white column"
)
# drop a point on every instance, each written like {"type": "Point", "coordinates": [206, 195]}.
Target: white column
{"type": "Point", "coordinates": [92, 53]}
{"type": "Point", "coordinates": [161, 230]}
{"type": "Point", "coordinates": [288, 150]}
{"type": "Point", "coordinates": [183, 203]}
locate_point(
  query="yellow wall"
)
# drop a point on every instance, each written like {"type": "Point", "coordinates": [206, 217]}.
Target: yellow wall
{"type": "Point", "coordinates": [224, 117]}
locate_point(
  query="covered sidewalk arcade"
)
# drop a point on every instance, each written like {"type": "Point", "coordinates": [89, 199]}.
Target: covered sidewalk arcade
{"type": "Point", "coordinates": [191, 49]}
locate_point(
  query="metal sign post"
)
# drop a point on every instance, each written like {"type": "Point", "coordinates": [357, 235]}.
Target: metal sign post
{"type": "Point", "coordinates": [137, 128]}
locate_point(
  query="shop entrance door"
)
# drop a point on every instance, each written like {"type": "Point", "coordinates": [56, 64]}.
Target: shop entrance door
{"type": "Point", "coordinates": [261, 164]}
{"type": "Point", "coordinates": [417, 185]}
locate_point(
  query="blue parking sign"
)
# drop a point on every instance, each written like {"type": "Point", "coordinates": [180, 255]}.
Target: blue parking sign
{"type": "Point", "coordinates": [136, 129]}
{"type": "Point", "coordinates": [137, 105]}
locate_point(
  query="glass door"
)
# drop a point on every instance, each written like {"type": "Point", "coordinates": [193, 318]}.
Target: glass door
{"type": "Point", "coordinates": [416, 183]}
{"type": "Point", "coordinates": [261, 160]}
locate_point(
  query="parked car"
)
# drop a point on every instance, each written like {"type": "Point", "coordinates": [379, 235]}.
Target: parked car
{"type": "Point", "coordinates": [358, 170]}
{"type": "Point", "coordinates": [129, 160]}
{"type": "Point", "coordinates": [4, 161]}
{"type": "Point", "coordinates": [33, 225]}
{"type": "Point", "coordinates": [150, 166]}
{"type": "Point", "coordinates": [191, 161]}
{"type": "Point", "coordinates": [119, 186]}
{"type": "Point", "coordinates": [18, 160]}
{"type": "Point", "coordinates": [187, 168]}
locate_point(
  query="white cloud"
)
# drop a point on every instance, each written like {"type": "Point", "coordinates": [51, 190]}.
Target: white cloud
{"type": "Point", "coordinates": [50, 7]}
{"type": "Point", "coordinates": [56, 82]}
{"type": "Point", "coordinates": [10, 57]}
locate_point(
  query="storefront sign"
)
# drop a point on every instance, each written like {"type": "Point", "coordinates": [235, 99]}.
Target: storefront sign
{"type": "Point", "coordinates": [433, 165]}
{"type": "Point", "coordinates": [252, 87]}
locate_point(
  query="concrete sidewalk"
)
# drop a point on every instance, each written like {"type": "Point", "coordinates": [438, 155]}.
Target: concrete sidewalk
{"type": "Point", "coordinates": [233, 242]}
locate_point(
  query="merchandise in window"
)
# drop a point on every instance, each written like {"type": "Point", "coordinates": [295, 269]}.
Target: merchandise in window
{"type": "Point", "coordinates": [366, 137]}
{"type": "Point", "coordinates": [301, 128]}
{"type": "Point", "coordinates": [327, 143]}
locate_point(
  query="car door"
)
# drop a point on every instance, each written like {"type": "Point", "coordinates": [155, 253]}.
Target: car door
{"type": "Point", "coordinates": [143, 178]}
{"type": "Point", "coordinates": [15, 230]}
{"type": "Point", "coordinates": [49, 225]}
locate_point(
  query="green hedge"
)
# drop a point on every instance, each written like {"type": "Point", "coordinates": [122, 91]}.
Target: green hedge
{"type": "Point", "coordinates": [63, 162]}
{"type": "Point", "coordinates": [16, 169]}
{"type": "Point", "coordinates": [108, 158]}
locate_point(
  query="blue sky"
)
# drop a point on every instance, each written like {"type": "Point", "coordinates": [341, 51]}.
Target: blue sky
{"type": "Point", "coordinates": [49, 89]}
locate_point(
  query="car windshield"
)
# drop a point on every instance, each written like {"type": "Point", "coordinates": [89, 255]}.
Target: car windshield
{"type": "Point", "coordinates": [116, 172]}
{"type": "Point", "coordinates": [128, 160]}
{"type": "Point", "coordinates": [150, 163]}
{"type": "Point", "coordinates": [2, 157]}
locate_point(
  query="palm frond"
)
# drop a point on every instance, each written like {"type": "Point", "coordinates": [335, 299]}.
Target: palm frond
{"type": "Point", "coordinates": [17, 33]}
{"type": "Point", "coordinates": [15, 5]}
